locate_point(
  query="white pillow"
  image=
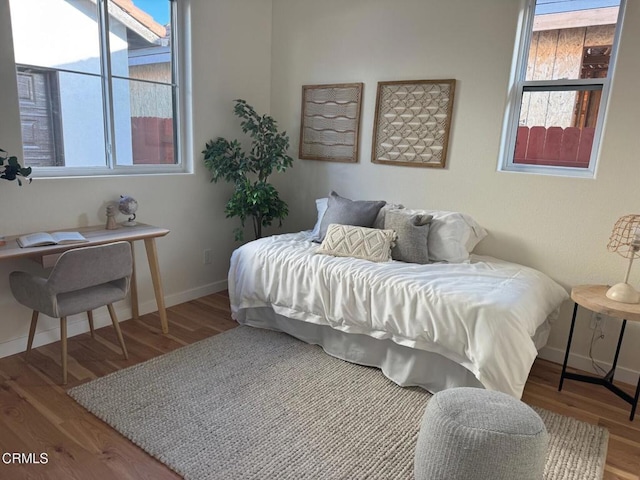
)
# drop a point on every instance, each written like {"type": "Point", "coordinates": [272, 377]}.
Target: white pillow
{"type": "Point", "coordinates": [321, 207]}
{"type": "Point", "coordinates": [452, 235]}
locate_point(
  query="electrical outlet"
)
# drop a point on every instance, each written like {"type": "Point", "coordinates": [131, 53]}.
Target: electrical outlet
{"type": "Point", "coordinates": [597, 321]}
{"type": "Point", "coordinates": [206, 257]}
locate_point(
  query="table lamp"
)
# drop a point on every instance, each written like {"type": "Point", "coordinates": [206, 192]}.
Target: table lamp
{"type": "Point", "coordinates": [625, 240]}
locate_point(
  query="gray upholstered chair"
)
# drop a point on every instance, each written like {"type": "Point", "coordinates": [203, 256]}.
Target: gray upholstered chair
{"type": "Point", "coordinates": [82, 280]}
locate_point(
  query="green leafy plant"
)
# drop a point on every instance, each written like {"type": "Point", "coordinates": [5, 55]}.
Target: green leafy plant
{"type": "Point", "coordinates": [253, 196]}
{"type": "Point", "coordinates": [10, 168]}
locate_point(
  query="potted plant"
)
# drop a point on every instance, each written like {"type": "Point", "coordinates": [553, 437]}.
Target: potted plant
{"type": "Point", "coordinates": [10, 168]}
{"type": "Point", "coordinates": [253, 196]}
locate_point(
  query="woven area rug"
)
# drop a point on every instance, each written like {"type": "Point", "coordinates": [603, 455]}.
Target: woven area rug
{"type": "Point", "coordinates": [256, 404]}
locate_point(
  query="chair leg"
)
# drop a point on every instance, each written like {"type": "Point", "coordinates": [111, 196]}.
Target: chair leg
{"type": "Point", "coordinates": [63, 339]}
{"type": "Point", "coordinates": [32, 333]}
{"type": "Point", "coordinates": [116, 326]}
{"type": "Point", "coordinates": [90, 317]}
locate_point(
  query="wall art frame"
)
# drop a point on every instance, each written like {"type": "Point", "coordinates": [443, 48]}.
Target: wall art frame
{"type": "Point", "coordinates": [330, 122]}
{"type": "Point", "coordinates": [413, 122]}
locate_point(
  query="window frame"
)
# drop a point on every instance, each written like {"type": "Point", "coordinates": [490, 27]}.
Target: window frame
{"type": "Point", "coordinates": [518, 85]}
{"type": "Point", "coordinates": [111, 167]}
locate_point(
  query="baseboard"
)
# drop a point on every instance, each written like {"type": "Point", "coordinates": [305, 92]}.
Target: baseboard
{"type": "Point", "coordinates": [78, 324]}
{"type": "Point", "coordinates": [582, 362]}
{"type": "Point", "coordinates": [182, 297]}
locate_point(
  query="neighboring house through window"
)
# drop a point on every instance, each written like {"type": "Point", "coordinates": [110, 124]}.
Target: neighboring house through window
{"type": "Point", "coordinates": [563, 75]}
{"type": "Point", "coordinates": [97, 85]}
{"type": "Point", "coordinates": [595, 64]}
{"type": "Point", "coordinates": [38, 94]}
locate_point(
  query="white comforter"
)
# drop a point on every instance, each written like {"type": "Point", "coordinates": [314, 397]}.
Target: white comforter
{"type": "Point", "coordinates": [481, 315]}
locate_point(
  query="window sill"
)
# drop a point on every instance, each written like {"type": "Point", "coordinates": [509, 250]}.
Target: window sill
{"type": "Point", "coordinates": [548, 170]}
{"type": "Point", "coordinates": [86, 172]}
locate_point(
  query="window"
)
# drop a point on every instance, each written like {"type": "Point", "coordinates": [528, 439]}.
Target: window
{"type": "Point", "coordinates": [97, 85]}
{"type": "Point", "coordinates": [558, 99]}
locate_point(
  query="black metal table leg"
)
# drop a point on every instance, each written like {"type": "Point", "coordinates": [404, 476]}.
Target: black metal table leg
{"type": "Point", "coordinates": [612, 372]}
{"type": "Point", "coordinates": [566, 354]}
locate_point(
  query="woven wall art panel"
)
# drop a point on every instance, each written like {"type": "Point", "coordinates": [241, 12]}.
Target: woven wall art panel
{"type": "Point", "coordinates": [330, 122]}
{"type": "Point", "coordinates": [412, 122]}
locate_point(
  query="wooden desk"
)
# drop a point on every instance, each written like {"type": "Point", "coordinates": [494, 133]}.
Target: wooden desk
{"type": "Point", "coordinates": [100, 236]}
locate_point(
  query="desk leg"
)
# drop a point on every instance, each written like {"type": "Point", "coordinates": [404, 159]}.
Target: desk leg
{"type": "Point", "coordinates": [566, 354]}
{"type": "Point", "coordinates": [135, 312]}
{"type": "Point", "coordinates": [152, 257]}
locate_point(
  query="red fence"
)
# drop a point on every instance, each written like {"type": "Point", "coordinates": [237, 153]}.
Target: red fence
{"type": "Point", "coordinates": [561, 147]}
{"type": "Point", "coordinates": [152, 140]}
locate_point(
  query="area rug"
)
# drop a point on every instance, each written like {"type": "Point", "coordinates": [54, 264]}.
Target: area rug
{"type": "Point", "coordinates": [257, 404]}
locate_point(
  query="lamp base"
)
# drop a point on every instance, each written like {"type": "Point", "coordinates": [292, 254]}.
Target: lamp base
{"type": "Point", "coordinates": [623, 292]}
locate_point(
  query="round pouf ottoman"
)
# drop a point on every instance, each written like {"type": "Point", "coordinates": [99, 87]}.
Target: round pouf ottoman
{"type": "Point", "coordinates": [477, 434]}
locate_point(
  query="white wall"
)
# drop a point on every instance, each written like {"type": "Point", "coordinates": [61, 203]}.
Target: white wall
{"type": "Point", "coordinates": [226, 64]}
{"type": "Point", "coordinates": [558, 225]}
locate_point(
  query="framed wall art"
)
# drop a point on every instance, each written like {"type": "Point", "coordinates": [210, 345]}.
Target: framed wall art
{"type": "Point", "coordinates": [412, 122]}
{"type": "Point", "coordinates": [330, 123]}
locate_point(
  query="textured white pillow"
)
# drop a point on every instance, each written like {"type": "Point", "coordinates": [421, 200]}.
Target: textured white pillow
{"type": "Point", "coordinates": [452, 235]}
{"type": "Point", "coordinates": [370, 244]}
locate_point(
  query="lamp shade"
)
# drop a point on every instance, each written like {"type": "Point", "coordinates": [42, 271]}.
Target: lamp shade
{"type": "Point", "coordinates": [625, 240]}
{"type": "Point", "coordinates": [625, 237]}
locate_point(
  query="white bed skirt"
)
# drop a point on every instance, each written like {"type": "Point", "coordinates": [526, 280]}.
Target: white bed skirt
{"type": "Point", "coordinates": [403, 365]}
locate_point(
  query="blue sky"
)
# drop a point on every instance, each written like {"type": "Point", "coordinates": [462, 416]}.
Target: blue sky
{"type": "Point", "coordinates": [158, 9]}
{"type": "Point", "coordinates": [559, 6]}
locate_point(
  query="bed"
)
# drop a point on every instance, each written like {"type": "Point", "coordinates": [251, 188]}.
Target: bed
{"type": "Point", "coordinates": [438, 325]}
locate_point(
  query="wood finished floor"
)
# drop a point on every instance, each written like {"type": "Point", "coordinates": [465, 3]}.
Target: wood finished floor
{"type": "Point", "coordinates": [37, 416]}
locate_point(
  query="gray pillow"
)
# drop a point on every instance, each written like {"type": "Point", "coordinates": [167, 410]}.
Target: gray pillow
{"type": "Point", "coordinates": [413, 232]}
{"type": "Point", "coordinates": [379, 221]}
{"type": "Point", "coordinates": [360, 213]}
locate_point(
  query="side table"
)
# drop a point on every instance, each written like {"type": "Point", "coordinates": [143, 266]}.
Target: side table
{"type": "Point", "coordinates": [593, 297]}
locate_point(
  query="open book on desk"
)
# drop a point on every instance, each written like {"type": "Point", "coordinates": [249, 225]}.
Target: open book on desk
{"type": "Point", "coordinates": [56, 238]}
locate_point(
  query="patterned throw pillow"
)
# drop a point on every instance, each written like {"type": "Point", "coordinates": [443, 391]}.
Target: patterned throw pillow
{"type": "Point", "coordinates": [358, 242]}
